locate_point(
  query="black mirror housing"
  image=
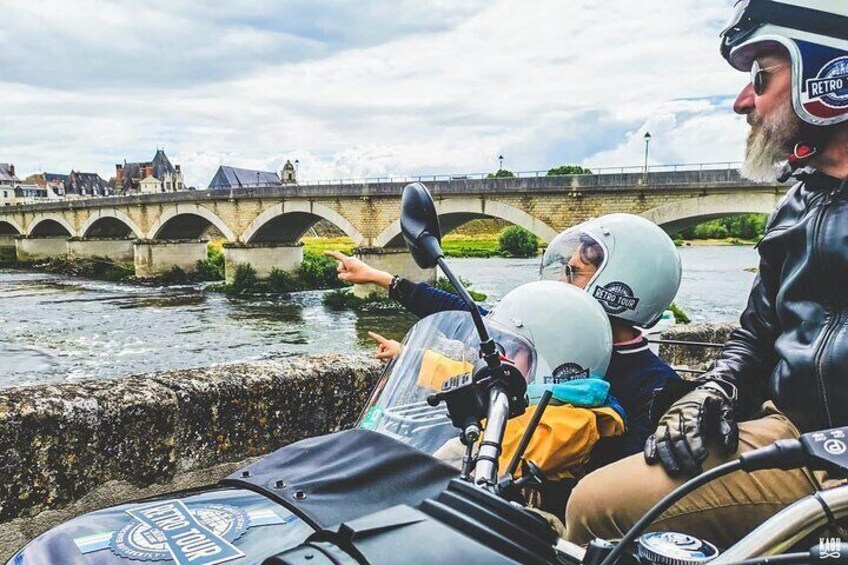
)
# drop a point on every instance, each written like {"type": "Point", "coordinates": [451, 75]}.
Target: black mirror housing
{"type": "Point", "coordinates": [419, 224]}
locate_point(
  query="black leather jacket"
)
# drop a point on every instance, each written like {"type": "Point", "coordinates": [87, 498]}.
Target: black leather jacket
{"type": "Point", "coordinates": [792, 347]}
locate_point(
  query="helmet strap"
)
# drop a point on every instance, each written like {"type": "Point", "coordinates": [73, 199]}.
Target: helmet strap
{"type": "Point", "coordinates": [799, 157]}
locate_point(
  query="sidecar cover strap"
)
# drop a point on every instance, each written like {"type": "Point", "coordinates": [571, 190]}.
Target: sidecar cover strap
{"type": "Point", "coordinates": [343, 476]}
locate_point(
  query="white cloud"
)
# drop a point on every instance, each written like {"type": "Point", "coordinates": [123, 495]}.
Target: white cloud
{"type": "Point", "coordinates": [544, 83]}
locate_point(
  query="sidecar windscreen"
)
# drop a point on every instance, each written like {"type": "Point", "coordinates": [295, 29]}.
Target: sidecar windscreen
{"type": "Point", "coordinates": [439, 352]}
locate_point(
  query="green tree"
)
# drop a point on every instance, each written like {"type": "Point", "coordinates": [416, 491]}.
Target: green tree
{"type": "Point", "coordinates": [501, 174]}
{"type": "Point", "coordinates": [568, 170]}
{"type": "Point", "coordinates": [515, 241]}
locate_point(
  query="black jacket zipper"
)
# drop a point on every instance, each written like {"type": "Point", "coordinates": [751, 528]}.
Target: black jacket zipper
{"type": "Point", "coordinates": [833, 315]}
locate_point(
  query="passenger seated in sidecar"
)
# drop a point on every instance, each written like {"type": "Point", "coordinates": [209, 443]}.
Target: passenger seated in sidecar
{"type": "Point", "coordinates": [569, 359]}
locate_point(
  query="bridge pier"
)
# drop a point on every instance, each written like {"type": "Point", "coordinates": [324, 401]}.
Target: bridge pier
{"type": "Point", "coordinates": [263, 257]}
{"type": "Point", "coordinates": [7, 247]}
{"type": "Point", "coordinates": [153, 257]}
{"type": "Point", "coordinates": [395, 260]}
{"type": "Point", "coordinates": [120, 250]}
{"type": "Point", "coordinates": [40, 248]}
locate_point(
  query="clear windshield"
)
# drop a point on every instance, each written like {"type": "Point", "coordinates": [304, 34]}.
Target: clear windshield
{"type": "Point", "coordinates": [438, 351]}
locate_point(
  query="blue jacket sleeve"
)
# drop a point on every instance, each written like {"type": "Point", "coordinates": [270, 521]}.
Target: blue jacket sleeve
{"type": "Point", "coordinates": [422, 299]}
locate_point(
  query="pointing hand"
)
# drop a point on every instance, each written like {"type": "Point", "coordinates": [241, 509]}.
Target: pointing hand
{"type": "Point", "coordinates": [354, 271]}
{"type": "Point", "coordinates": [387, 349]}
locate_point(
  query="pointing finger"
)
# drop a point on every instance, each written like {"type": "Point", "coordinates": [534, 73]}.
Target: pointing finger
{"type": "Point", "coordinates": [337, 255]}
{"type": "Point", "coordinates": [378, 338]}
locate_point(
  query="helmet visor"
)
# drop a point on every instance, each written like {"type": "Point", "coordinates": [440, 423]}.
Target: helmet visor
{"type": "Point", "coordinates": [740, 26]}
{"type": "Point", "coordinates": [574, 257]}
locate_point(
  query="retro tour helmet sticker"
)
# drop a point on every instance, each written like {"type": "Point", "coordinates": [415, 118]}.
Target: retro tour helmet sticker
{"type": "Point", "coordinates": [169, 531]}
{"type": "Point", "coordinates": [616, 297]}
{"type": "Point", "coordinates": [566, 372]}
{"type": "Point", "coordinates": [823, 82]}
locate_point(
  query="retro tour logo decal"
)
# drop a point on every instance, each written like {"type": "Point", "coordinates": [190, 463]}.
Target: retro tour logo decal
{"type": "Point", "coordinates": [830, 86]}
{"type": "Point", "coordinates": [169, 531]}
{"type": "Point", "coordinates": [566, 372]}
{"type": "Point", "coordinates": [616, 297]}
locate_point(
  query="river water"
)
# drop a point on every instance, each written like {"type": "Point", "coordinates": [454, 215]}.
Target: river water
{"type": "Point", "coordinates": [57, 329]}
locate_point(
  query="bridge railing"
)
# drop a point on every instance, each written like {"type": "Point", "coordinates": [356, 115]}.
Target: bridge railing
{"type": "Point", "coordinates": [595, 171]}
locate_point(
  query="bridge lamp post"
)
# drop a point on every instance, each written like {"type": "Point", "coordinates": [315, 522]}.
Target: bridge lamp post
{"type": "Point", "coordinates": [500, 162]}
{"type": "Point", "coordinates": [647, 143]}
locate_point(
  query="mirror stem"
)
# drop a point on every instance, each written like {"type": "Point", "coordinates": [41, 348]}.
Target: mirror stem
{"type": "Point", "coordinates": [472, 306]}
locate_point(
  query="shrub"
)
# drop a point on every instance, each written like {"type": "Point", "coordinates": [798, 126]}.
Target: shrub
{"type": "Point", "coordinates": [501, 174]}
{"type": "Point", "coordinates": [679, 315]}
{"type": "Point", "coordinates": [174, 275]}
{"type": "Point", "coordinates": [515, 241]}
{"type": "Point", "coordinates": [212, 269]}
{"type": "Point", "coordinates": [319, 271]}
{"type": "Point", "coordinates": [282, 281]}
{"type": "Point", "coordinates": [244, 279]}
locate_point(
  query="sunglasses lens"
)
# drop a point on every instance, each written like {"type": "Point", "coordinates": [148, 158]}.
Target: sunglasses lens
{"type": "Point", "coordinates": [758, 79]}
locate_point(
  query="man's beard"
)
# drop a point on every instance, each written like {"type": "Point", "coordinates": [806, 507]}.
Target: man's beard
{"type": "Point", "coordinates": [770, 141]}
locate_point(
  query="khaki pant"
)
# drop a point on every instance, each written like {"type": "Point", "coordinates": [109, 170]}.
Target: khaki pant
{"type": "Point", "coordinates": [607, 502]}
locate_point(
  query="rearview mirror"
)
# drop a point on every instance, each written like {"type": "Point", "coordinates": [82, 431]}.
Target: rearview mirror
{"type": "Point", "coordinates": [419, 224]}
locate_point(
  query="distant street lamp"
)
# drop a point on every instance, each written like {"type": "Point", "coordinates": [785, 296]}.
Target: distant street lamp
{"type": "Point", "coordinates": [296, 165]}
{"type": "Point", "coordinates": [647, 142]}
{"type": "Point", "coordinates": [500, 161]}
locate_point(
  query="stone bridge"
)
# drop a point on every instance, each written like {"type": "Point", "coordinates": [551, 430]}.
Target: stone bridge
{"type": "Point", "coordinates": [262, 226]}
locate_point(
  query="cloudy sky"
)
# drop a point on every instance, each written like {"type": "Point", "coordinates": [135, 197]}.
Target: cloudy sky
{"type": "Point", "coordinates": [364, 88]}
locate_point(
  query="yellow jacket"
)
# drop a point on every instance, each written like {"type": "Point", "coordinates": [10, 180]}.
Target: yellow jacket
{"type": "Point", "coordinates": [564, 439]}
{"type": "Point", "coordinates": [562, 442]}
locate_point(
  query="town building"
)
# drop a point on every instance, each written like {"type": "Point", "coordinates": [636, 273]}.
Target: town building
{"type": "Point", "coordinates": [234, 177]}
{"type": "Point", "coordinates": [227, 177]}
{"type": "Point", "coordinates": [8, 181]}
{"type": "Point", "coordinates": [74, 185]}
{"type": "Point", "coordinates": [164, 177]}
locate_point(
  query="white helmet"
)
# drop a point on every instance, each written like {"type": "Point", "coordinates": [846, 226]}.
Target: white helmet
{"type": "Point", "coordinates": [569, 331]}
{"type": "Point", "coordinates": [626, 262]}
{"type": "Point", "coordinates": [815, 33]}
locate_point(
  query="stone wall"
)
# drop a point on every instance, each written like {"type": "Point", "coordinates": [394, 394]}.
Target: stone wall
{"type": "Point", "coordinates": [692, 356]}
{"type": "Point", "coordinates": [73, 448]}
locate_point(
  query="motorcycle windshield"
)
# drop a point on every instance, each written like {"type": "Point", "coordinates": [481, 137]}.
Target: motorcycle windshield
{"type": "Point", "coordinates": [437, 353]}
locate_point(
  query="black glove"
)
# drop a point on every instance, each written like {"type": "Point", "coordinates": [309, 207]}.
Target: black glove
{"type": "Point", "coordinates": [701, 416]}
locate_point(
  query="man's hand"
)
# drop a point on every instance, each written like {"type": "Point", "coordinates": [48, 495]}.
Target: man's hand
{"type": "Point", "coordinates": [387, 349]}
{"type": "Point", "coordinates": [354, 271]}
{"type": "Point", "coordinates": [701, 416]}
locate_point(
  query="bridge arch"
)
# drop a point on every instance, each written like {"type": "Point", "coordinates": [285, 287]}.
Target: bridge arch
{"type": "Point", "coordinates": [109, 222]}
{"type": "Point", "coordinates": [684, 214]}
{"type": "Point", "coordinates": [9, 226]}
{"type": "Point", "coordinates": [50, 225]}
{"type": "Point", "coordinates": [455, 212]}
{"type": "Point", "coordinates": [288, 221]}
{"type": "Point", "coordinates": [187, 221]}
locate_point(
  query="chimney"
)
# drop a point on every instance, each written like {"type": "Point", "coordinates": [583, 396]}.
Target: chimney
{"type": "Point", "coordinates": [148, 171]}
{"type": "Point", "coordinates": [11, 169]}
{"type": "Point", "coordinates": [119, 172]}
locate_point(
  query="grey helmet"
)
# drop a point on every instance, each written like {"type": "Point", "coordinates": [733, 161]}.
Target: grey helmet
{"type": "Point", "coordinates": [626, 262]}
{"type": "Point", "coordinates": [815, 35]}
{"type": "Point", "coordinates": [569, 331]}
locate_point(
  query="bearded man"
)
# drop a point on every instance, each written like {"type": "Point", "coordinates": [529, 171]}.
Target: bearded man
{"type": "Point", "coordinates": [785, 371]}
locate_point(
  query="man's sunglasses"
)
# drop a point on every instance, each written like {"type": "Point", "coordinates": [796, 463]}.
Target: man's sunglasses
{"type": "Point", "coordinates": [758, 76]}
